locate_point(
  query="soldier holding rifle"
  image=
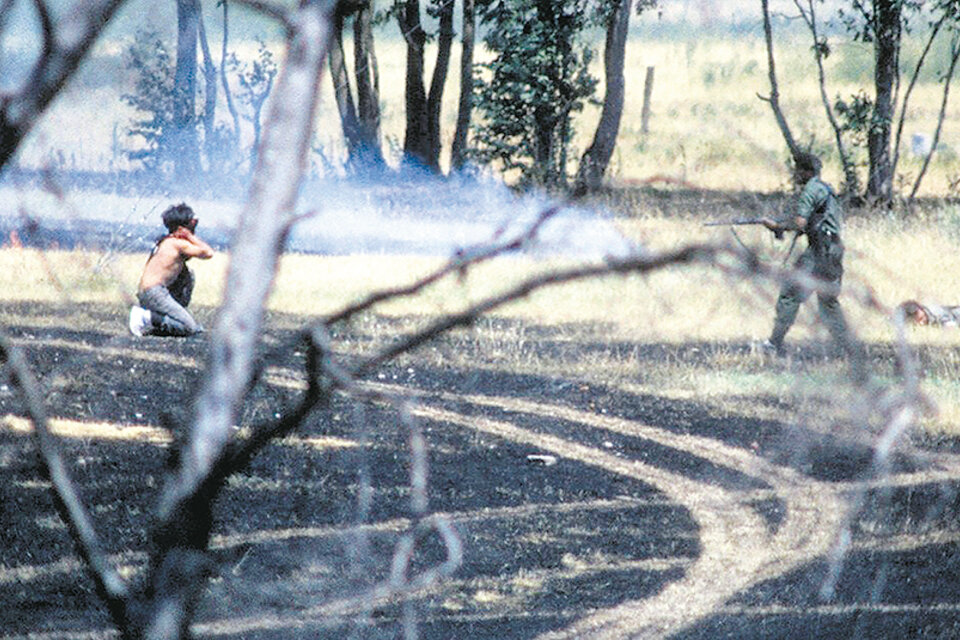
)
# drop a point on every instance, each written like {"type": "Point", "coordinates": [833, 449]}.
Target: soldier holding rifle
{"type": "Point", "coordinates": [819, 217]}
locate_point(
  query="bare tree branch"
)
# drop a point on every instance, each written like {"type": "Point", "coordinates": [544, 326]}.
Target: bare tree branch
{"type": "Point", "coordinates": [461, 261]}
{"type": "Point", "coordinates": [109, 583]}
{"type": "Point", "coordinates": [774, 97]}
{"type": "Point", "coordinates": [913, 81]}
{"type": "Point", "coordinates": [641, 263]}
{"type": "Point", "coordinates": [954, 56]}
{"type": "Point", "coordinates": [851, 186]}
{"type": "Point", "coordinates": [46, 28]}
{"type": "Point", "coordinates": [65, 45]}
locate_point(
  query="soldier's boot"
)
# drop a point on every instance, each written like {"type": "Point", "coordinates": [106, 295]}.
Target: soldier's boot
{"type": "Point", "coordinates": [774, 348]}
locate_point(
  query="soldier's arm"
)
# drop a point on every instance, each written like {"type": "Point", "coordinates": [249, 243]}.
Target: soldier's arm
{"type": "Point", "coordinates": [779, 225]}
{"type": "Point", "coordinates": [807, 202]}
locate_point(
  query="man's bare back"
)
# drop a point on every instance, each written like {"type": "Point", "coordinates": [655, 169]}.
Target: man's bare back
{"type": "Point", "coordinates": [166, 263]}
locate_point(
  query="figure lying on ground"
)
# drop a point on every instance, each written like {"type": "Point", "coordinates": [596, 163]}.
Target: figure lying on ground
{"type": "Point", "coordinates": [166, 285]}
{"type": "Point", "coordinates": [930, 314]}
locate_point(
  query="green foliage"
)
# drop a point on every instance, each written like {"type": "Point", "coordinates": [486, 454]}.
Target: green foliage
{"type": "Point", "coordinates": [536, 81]}
{"type": "Point", "coordinates": [855, 116]}
{"type": "Point", "coordinates": [863, 20]}
{"type": "Point", "coordinates": [153, 69]}
{"type": "Point", "coordinates": [256, 81]}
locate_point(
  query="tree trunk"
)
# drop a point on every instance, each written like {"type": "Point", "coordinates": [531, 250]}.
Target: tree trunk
{"type": "Point", "coordinates": [360, 119]}
{"type": "Point", "coordinates": [458, 152]}
{"type": "Point", "coordinates": [546, 118]}
{"type": "Point", "coordinates": [173, 584]}
{"type": "Point", "coordinates": [368, 88]}
{"type": "Point", "coordinates": [231, 107]}
{"type": "Point", "coordinates": [774, 97]}
{"type": "Point", "coordinates": [439, 80]}
{"type": "Point", "coordinates": [596, 159]}
{"type": "Point", "coordinates": [185, 148]}
{"type": "Point", "coordinates": [209, 98]}
{"type": "Point", "coordinates": [343, 94]}
{"type": "Point", "coordinates": [647, 99]}
{"type": "Point", "coordinates": [416, 142]}
{"type": "Point", "coordinates": [887, 52]}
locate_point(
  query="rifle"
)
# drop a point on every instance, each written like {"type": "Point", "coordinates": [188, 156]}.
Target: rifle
{"type": "Point", "coordinates": [741, 221]}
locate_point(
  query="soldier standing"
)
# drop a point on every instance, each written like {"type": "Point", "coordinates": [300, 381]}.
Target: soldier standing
{"type": "Point", "coordinates": [819, 217]}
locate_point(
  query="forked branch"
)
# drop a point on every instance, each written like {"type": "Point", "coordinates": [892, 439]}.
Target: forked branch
{"type": "Point", "coordinates": [65, 44]}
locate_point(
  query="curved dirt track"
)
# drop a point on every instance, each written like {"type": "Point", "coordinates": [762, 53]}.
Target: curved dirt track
{"type": "Point", "coordinates": [738, 549]}
{"type": "Point", "coordinates": [728, 525]}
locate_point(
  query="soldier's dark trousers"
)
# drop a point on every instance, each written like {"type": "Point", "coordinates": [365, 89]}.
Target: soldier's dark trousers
{"type": "Point", "coordinates": [829, 274]}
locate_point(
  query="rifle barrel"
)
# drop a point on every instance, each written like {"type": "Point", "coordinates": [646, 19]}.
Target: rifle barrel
{"type": "Point", "coordinates": [739, 221]}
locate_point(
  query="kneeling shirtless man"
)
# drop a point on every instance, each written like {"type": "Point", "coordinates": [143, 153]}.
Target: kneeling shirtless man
{"type": "Point", "coordinates": [166, 285]}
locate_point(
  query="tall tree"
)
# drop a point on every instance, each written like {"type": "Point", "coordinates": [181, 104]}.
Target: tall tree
{"type": "Point", "coordinates": [594, 162]}
{"type": "Point", "coordinates": [882, 23]}
{"type": "Point", "coordinates": [416, 140]}
{"type": "Point", "coordinates": [186, 150]}
{"type": "Point", "coordinates": [368, 84]}
{"type": "Point", "coordinates": [227, 94]}
{"type": "Point", "coordinates": [443, 11]}
{"type": "Point", "coordinates": [360, 118]}
{"type": "Point", "coordinates": [421, 144]}
{"type": "Point", "coordinates": [538, 77]}
{"type": "Point", "coordinates": [458, 151]}
{"type": "Point", "coordinates": [209, 113]}
{"type": "Point", "coordinates": [887, 29]}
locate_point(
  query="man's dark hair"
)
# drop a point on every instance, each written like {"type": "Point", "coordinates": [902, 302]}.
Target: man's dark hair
{"type": "Point", "coordinates": [910, 307]}
{"type": "Point", "coordinates": [808, 162]}
{"type": "Point", "coordinates": [178, 215]}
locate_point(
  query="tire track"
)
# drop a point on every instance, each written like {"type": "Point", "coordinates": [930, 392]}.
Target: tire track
{"type": "Point", "coordinates": [737, 549]}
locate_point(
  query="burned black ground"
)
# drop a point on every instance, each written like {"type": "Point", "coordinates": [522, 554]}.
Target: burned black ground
{"type": "Point", "coordinates": [544, 546]}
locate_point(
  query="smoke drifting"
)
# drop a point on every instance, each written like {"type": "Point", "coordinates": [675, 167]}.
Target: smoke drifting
{"type": "Point", "coordinates": [429, 216]}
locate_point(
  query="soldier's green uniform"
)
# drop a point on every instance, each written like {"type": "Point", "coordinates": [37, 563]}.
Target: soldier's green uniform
{"type": "Point", "coordinates": [823, 259]}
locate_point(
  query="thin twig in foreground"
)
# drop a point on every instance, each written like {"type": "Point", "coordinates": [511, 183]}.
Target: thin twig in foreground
{"type": "Point", "coordinates": [109, 582]}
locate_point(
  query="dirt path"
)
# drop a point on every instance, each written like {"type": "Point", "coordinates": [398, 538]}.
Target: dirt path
{"type": "Point", "coordinates": [738, 549]}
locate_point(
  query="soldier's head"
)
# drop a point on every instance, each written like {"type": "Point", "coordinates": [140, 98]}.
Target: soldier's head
{"type": "Point", "coordinates": [914, 312]}
{"type": "Point", "coordinates": [806, 166]}
{"type": "Point", "coordinates": [179, 215]}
